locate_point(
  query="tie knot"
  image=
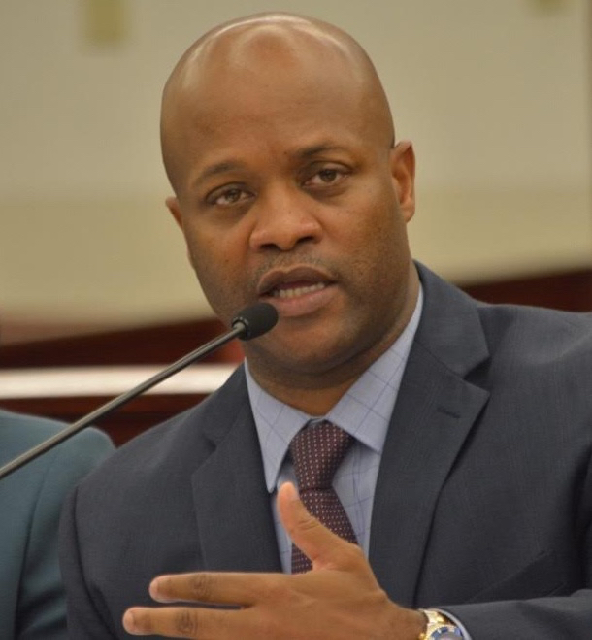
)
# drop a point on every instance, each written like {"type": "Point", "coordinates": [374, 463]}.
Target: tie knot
{"type": "Point", "coordinates": [317, 451]}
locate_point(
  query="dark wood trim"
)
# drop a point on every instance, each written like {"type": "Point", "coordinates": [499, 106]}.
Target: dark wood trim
{"type": "Point", "coordinates": [156, 344]}
{"type": "Point", "coordinates": [122, 425]}
{"type": "Point", "coordinates": [570, 291]}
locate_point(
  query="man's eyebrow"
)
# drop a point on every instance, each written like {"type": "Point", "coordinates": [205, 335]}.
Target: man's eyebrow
{"type": "Point", "coordinates": [307, 152]}
{"type": "Point", "coordinates": [230, 165]}
{"type": "Point", "coordinates": [216, 169]}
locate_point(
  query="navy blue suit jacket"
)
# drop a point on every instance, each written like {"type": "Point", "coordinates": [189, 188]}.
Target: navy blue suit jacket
{"type": "Point", "coordinates": [483, 503]}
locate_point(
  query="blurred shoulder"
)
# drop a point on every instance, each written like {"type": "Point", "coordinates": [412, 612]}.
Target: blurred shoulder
{"type": "Point", "coordinates": [19, 432]}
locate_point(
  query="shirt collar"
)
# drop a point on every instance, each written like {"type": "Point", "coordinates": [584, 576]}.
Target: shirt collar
{"type": "Point", "coordinates": [364, 411]}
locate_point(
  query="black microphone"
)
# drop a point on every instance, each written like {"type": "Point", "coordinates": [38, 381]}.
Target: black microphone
{"type": "Point", "coordinates": [255, 320]}
{"type": "Point", "coordinates": [250, 323]}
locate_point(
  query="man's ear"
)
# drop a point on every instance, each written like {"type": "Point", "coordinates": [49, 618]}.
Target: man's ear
{"type": "Point", "coordinates": [402, 161]}
{"type": "Point", "coordinates": [172, 204]}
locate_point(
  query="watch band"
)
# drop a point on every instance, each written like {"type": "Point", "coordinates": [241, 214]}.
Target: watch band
{"type": "Point", "coordinates": [439, 627]}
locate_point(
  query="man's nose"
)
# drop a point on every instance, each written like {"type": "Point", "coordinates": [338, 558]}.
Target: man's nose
{"type": "Point", "coordinates": [284, 217]}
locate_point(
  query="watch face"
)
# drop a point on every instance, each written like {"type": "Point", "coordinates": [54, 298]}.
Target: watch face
{"type": "Point", "coordinates": [445, 633]}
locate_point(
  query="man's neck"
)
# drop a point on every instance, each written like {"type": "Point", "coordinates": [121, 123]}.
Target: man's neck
{"type": "Point", "coordinates": [317, 392]}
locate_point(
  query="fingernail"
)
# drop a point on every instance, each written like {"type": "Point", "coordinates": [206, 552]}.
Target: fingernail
{"type": "Point", "coordinates": [153, 588]}
{"type": "Point", "coordinates": [292, 492]}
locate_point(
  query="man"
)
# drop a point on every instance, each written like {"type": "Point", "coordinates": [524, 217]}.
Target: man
{"type": "Point", "coordinates": [468, 483]}
{"type": "Point", "coordinates": [33, 602]}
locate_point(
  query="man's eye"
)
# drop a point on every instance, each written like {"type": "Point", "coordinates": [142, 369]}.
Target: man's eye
{"type": "Point", "coordinates": [229, 196]}
{"type": "Point", "coordinates": [326, 177]}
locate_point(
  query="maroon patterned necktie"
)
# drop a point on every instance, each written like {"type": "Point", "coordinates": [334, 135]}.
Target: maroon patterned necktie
{"type": "Point", "coordinates": [317, 451]}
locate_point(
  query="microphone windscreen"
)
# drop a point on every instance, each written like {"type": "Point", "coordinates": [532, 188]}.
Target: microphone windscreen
{"type": "Point", "coordinates": [257, 320]}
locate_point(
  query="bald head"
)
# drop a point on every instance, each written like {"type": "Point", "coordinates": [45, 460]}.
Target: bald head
{"type": "Point", "coordinates": [259, 63]}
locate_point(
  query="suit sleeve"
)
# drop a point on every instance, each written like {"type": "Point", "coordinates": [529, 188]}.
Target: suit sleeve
{"type": "Point", "coordinates": [545, 618]}
{"type": "Point", "coordinates": [539, 619]}
{"type": "Point", "coordinates": [41, 600]}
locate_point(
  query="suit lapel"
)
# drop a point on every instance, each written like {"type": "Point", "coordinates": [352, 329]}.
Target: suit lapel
{"type": "Point", "coordinates": [235, 523]}
{"type": "Point", "coordinates": [434, 413]}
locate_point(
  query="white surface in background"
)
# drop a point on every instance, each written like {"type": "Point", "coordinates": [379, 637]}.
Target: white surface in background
{"type": "Point", "coordinates": [107, 381]}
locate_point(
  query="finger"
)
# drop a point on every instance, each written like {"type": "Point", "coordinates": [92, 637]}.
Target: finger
{"type": "Point", "coordinates": [241, 589]}
{"type": "Point", "coordinates": [325, 549]}
{"type": "Point", "coordinates": [180, 622]}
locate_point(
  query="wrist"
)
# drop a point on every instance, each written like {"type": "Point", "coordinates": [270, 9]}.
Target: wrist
{"type": "Point", "coordinates": [405, 623]}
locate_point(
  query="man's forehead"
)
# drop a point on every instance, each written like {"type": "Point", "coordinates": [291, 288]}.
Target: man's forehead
{"type": "Point", "coordinates": [263, 87]}
{"type": "Point", "coordinates": [270, 72]}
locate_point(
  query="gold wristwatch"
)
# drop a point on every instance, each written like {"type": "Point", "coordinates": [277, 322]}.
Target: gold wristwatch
{"type": "Point", "coordinates": [439, 627]}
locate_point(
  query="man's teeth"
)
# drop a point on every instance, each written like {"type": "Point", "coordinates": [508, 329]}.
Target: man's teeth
{"type": "Point", "coordinates": [298, 291]}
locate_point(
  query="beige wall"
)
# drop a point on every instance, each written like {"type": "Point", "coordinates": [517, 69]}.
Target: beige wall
{"type": "Point", "coordinates": [495, 95]}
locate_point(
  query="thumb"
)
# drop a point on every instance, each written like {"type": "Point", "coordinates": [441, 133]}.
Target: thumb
{"type": "Point", "coordinates": [325, 549]}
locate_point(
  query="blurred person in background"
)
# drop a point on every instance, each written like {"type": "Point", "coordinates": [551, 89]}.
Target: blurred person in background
{"type": "Point", "coordinates": [32, 598]}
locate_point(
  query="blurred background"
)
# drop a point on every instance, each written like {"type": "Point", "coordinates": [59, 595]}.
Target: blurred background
{"type": "Point", "coordinates": [495, 95]}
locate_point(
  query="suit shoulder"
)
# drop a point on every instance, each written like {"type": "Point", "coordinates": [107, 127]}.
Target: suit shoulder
{"type": "Point", "coordinates": [546, 333]}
